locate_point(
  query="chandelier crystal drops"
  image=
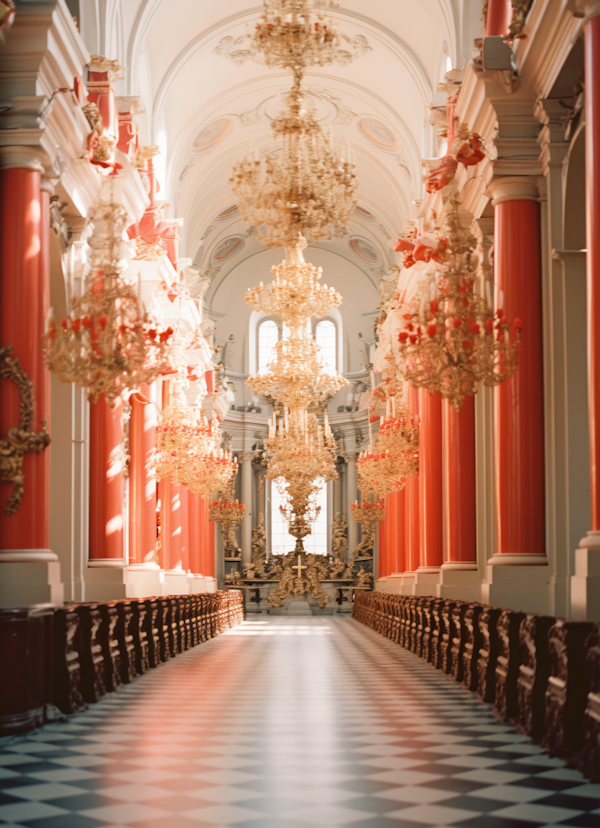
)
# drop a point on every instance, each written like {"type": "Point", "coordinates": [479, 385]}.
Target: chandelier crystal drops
{"type": "Point", "coordinates": [296, 34]}
{"type": "Point", "coordinates": [108, 344]}
{"type": "Point", "coordinates": [296, 377]}
{"type": "Point", "coordinates": [384, 469]}
{"type": "Point", "coordinates": [303, 187]}
{"type": "Point", "coordinates": [187, 445]}
{"type": "Point", "coordinates": [295, 294]}
{"type": "Point", "coordinates": [301, 455]}
{"type": "Point", "coordinates": [455, 342]}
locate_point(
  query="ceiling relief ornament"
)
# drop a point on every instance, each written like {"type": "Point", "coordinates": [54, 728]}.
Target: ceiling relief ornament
{"type": "Point", "coordinates": [364, 214]}
{"type": "Point", "coordinates": [238, 49]}
{"type": "Point", "coordinates": [378, 133]}
{"type": "Point", "coordinates": [228, 213]}
{"type": "Point", "coordinates": [227, 248]}
{"type": "Point", "coordinates": [365, 250]}
{"type": "Point", "coordinates": [212, 134]}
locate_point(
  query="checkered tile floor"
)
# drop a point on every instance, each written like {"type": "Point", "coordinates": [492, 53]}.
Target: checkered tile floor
{"type": "Point", "coordinates": [289, 723]}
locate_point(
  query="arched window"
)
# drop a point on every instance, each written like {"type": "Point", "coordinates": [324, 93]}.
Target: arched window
{"type": "Point", "coordinates": [282, 543]}
{"type": "Point", "coordinates": [326, 339]}
{"type": "Point", "coordinates": [268, 335]}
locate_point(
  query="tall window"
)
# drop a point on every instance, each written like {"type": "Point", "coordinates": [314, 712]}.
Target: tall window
{"type": "Point", "coordinates": [282, 542]}
{"type": "Point", "coordinates": [268, 334]}
{"type": "Point", "coordinates": [326, 338]}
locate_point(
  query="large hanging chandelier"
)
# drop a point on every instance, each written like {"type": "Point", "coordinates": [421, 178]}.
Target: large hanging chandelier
{"type": "Point", "coordinates": [304, 188]}
{"type": "Point", "coordinates": [301, 455]}
{"type": "Point", "coordinates": [188, 445]}
{"type": "Point", "coordinates": [295, 294]}
{"type": "Point", "coordinates": [108, 343]}
{"type": "Point", "coordinates": [295, 34]}
{"type": "Point", "coordinates": [296, 376]}
{"type": "Point", "coordinates": [384, 469]}
{"type": "Point", "coordinates": [453, 341]}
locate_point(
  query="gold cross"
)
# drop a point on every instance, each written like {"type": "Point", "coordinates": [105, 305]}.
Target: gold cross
{"type": "Point", "coordinates": [299, 566]}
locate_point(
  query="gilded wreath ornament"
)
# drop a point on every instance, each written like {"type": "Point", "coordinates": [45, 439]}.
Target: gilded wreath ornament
{"type": "Point", "coordinates": [21, 439]}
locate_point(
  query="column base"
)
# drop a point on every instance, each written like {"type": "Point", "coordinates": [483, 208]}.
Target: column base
{"type": "Point", "coordinates": [585, 583]}
{"type": "Point", "coordinates": [508, 559]}
{"type": "Point", "coordinates": [33, 581]}
{"type": "Point", "coordinates": [408, 583]}
{"type": "Point", "coordinates": [427, 579]}
{"type": "Point", "coordinates": [176, 582]}
{"type": "Point", "coordinates": [210, 583]}
{"type": "Point", "coordinates": [105, 583]}
{"type": "Point", "coordinates": [461, 581]}
{"type": "Point", "coordinates": [521, 587]}
{"type": "Point", "coordinates": [143, 580]}
{"type": "Point", "coordinates": [391, 584]}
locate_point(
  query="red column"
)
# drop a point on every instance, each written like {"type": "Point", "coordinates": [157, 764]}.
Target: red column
{"type": "Point", "coordinates": [106, 484]}
{"type": "Point", "coordinates": [23, 305]}
{"type": "Point", "coordinates": [170, 498]}
{"type": "Point", "coordinates": [591, 33]}
{"type": "Point", "coordinates": [210, 529]}
{"type": "Point", "coordinates": [519, 401]}
{"type": "Point", "coordinates": [499, 15]}
{"type": "Point", "coordinates": [195, 530]}
{"type": "Point", "coordinates": [382, 546]}
{"type": "Point", "coordinates": [185, 528]}
{"type": "Point", "coordinates": [398, 539]}
{"type": "Point", "coordinates": [430, 482]}
{"type": "Point", "coordinates": [411, 502]}
{"type": "Point", "coordinates": [142, 484]}
{"type": "Point", "coordinates": [460, 519]}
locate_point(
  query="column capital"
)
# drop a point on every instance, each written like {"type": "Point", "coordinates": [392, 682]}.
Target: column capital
{"type": "Point", "coordinates": [513, 188]}
{"type": "Point", "coordinates": [24, 157]}
{"type": "Point", "coordinates": [350, 456]}
{"type": "Point", "coordinates": [586, 9]}
{"type": "Point", "coordinates": [245, 456]}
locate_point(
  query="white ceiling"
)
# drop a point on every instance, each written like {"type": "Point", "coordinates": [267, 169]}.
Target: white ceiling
{"type": "Point", "coordinates": [208, 102]}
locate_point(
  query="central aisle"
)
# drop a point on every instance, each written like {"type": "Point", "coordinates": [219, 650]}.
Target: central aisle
{"type": "Point", "coordinates": [288, 723]}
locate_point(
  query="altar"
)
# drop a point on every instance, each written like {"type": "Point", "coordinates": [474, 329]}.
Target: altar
{"type": "Point", "coordinates": [340, 593]}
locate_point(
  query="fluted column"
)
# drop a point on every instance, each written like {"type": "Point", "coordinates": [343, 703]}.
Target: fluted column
{"type": "Point", "coordinates": [142, 483]}
{"type": "Point", "coordinates": [585, 585]}
{"type": "Point", "coordinates": [430, 482]}
{"type": "Point", "coordinates": [460, 519]}
{"type": "Point", "coordinates": [247, 480]}
{"type": "Point", "coordinates": [106, 485]}
{"type": "Point", "coordinates": [352, 496]}
{"type": "Point", "coordinates": [398, 533]}
{"type": "Point", "coordinates": [498, 17]}
{"type": "Point", "coordinates": [519, 400]}
{"type": "Point", "coordinates": [24, 291]}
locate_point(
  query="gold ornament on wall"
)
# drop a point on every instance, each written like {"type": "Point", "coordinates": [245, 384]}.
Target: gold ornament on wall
{"type": "Point", "coordinates": [20, 439]}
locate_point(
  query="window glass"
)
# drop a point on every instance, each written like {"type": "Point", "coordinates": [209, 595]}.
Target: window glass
{"type": "Point", "coordinates": [326, 338]}
{"type": "Point", "coordinates": [268, 334]}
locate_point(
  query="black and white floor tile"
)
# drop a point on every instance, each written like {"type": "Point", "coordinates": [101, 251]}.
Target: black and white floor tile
{"type": "Point", "coordinates": [289, 723]}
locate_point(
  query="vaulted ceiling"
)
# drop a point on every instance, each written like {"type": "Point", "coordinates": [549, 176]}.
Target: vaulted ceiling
{"type": "Point", "coordinates": [208, 101]}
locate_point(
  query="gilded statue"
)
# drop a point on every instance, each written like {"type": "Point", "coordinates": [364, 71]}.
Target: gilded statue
{"type": "Point", "coordinates": [365, 548]}
{"type": "Point", "coordinates": [339, 537]}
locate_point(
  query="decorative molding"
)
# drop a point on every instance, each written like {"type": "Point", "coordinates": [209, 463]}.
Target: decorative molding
{"type": "Point", "coordinates": [21, 439]}
{"type": "Point", "coordinates": [513, 188]}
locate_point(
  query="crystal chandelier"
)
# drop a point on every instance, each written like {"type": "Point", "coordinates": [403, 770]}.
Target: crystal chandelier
{"type": "Point", "coordinates": [295, 34]}
{"type": "Point", "coordinates": [108, 343]}
{"type": "Point", "coordinates": [295, 294]}
{"type": "Point", "coordinates": [301, 456]}
{"type": "Point", "coordinates": [453, 341]}
{"type": "Point", "coordinates": [226, 511]}
{"type": "Point", "coordinates": [396, 455]}
{"type": "Point", "coordinates": [367, 512]}
{"type": "Point", "coordinates": [187, 445]}
{"type": "Point", "coordinates": [305, 188]}
{"type": "Point", "coordinates": [296, 377]}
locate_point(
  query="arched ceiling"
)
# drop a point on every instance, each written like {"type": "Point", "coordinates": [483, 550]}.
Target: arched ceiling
{"type": "Point", "coordinates": [208, 102]}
